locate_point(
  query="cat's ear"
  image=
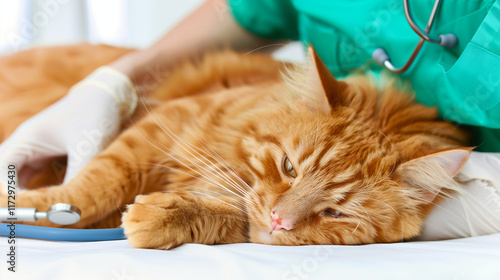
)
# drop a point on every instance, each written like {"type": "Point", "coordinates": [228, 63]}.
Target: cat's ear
{"type": "Point", "coordinates": [430, 174]}
{"type": "Point", "coordinates": [330, 91]}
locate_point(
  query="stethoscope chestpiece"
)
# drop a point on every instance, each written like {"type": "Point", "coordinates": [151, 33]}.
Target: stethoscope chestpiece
{"type": "Point", "coordinates": [63, 214]}
{"type": "Point", "coordinates": [60, 213]}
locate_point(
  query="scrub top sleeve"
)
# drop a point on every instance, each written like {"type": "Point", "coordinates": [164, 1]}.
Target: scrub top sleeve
{"type": "Point", "coordinates": [275, 19]}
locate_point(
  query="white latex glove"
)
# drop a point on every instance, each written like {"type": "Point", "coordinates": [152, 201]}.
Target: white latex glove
{"type": "Point", "coordinates": [79, 125]}
{"type": "Point", "coordinates": [477, 210]}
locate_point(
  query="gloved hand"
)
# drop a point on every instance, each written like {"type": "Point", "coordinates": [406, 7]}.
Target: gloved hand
{"type": "Point", "coordinates": [79, 125]}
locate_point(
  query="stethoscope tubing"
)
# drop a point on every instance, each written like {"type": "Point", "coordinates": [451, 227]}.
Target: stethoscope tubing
{"type": "Point", "coordinates": [62, 234]}
{"type": "Point", "coordinates": [446, 40]}
{"type": "Point", "coordinates": [423, 34]}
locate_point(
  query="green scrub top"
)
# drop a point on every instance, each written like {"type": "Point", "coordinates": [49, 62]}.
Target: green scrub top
{"type": "Point", "coordinates": [463, 81]}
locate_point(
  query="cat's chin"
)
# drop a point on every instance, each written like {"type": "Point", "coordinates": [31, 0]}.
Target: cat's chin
{"type": "Point", "coordinates": [268, 237]}
{"type": "Point", "coordinates": [264, 237]}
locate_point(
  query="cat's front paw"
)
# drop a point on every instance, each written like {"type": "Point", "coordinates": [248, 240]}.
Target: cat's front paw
{"type": "Point", "coordinates": [161, 221]}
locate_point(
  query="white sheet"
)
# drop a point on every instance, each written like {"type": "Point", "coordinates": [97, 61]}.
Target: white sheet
{"type": "Point", "coordinates": [468, 258]}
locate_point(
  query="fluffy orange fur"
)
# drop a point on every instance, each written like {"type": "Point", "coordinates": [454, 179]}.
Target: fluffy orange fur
{"type": "Point", "coordinates": [206, 165]}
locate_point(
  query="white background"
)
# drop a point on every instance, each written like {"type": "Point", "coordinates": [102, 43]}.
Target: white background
{"type": "Point", "coordinates": [130, 23]}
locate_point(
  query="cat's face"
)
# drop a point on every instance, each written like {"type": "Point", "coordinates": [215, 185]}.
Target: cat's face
{"type": "Point", "coordinates": [331, 176]}
{"type": "Point", "coordinates": [324, 182]}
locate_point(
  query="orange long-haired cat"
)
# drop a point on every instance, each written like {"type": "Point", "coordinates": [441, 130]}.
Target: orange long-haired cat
{"type": "Point", "coordinates": [243, 148]}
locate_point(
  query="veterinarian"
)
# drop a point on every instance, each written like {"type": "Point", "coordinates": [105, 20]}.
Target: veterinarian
{"type": "Point", "coordinates": [463, 81]}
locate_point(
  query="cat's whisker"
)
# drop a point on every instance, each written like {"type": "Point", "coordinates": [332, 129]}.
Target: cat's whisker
{"type": "Point", "coordinates": [192, 162]}
{"type": "Point", "coordinates": [118, 206]}
{"type": "Point", "coordinates": [283, 113]}
{"type": "Point", "coordinates": [369, 218]}
{"type": "Point", "coordinates": [237, 201]}
{"type": "Point", "coordinates": [393, 166]}
{"type": "Point", "coordinates": [213, 183]}
{"type": "Point", "coordinates": [357, 226]}
{"type": "Point", "coordinates": [220, 159]}
{"type": "Point", "coordinates": [265, 46]}
{"type": "Point", "coordinates": [225, 164]}
{"type": "Point", "coordinates": [220, 173]}
{"type": "Point", "coordinates": [385, 204]}
{"type": "Point", "coordinates": [317, 127]}
{"type": "Point", "coordinates": [205, 195]}
{"type": "Point", "coordinates": [397, 213]}
{"type": "Point", "coordinates": [243, 182]}
{"type": "Point", "coordinates": [212, 127]}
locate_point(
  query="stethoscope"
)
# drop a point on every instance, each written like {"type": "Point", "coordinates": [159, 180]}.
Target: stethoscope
{"type": "Point", "coordinates": [445, 40]}
{"type": "Point", "coordinates": [61, 214]}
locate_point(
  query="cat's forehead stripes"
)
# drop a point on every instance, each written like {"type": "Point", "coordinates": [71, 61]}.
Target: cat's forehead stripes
{"type": "Point", "coordinates": [331, 155]}
{"type": "Point", "coordinates": [310, 154]}
{"type": "Point", "coordinates": [306, 153]}
{"type": "Point", "coordinates": [268, 138]}
{"type": "Point", "coordinates": [260, 153]}
{"type": "Point", "coordinates": [345, 198]}
{"type": "Point", "coordinates": [323, 156]}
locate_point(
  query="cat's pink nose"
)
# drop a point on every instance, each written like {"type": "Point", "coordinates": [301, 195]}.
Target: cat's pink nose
{"type": "Point", "coordinates": [279, 223]}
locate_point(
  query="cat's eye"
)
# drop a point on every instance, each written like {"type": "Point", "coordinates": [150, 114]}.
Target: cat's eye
{"type": "Point", "coordinates": [332, 213]}
{"type": "Point", "coordinates": [288, 167]}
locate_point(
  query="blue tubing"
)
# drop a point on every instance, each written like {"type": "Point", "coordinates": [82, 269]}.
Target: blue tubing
{"type": "Point", "coordinates": [63, 234]}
